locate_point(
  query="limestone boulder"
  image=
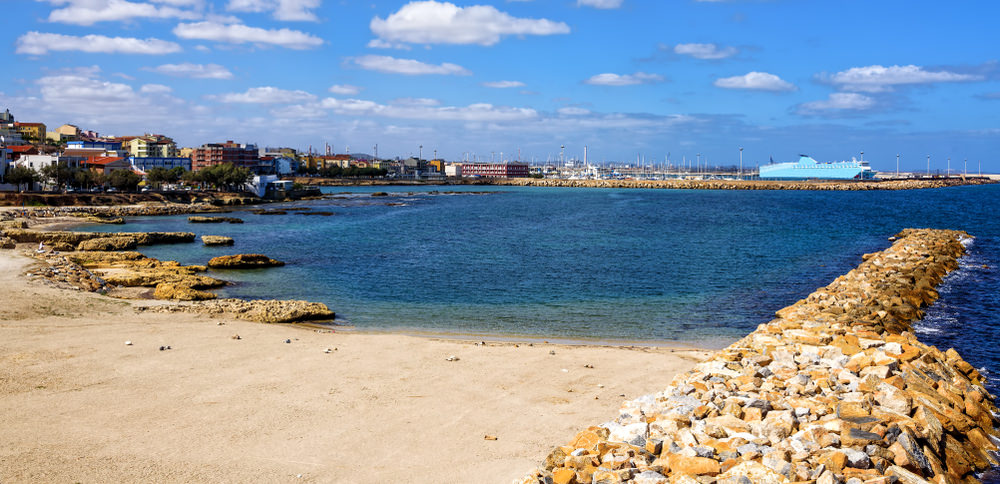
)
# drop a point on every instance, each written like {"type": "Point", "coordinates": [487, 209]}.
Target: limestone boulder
{"type": "Point", "coordinates": [216, 240]}
{"type": "Point", "coordinates": [179, 292]}
{"type": "Point", "coordinates": [105, 244]}
{"type": "Point", "coordinates": [243, 261]}
{"type": "Point", "coordinates": [197, 219]}
{"type": "Point", "coordinates": [271, 311]}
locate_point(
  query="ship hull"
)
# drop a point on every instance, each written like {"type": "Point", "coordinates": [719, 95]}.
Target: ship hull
{"type": "Point", "coordinates": [809, 169]}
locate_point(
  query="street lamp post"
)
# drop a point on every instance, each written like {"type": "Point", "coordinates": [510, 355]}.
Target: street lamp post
{"type": "Point", "coordinates": [421, 152]}
{"type": "Point", "coordinates": [897, 165]}
{"type": "Point", "coordinates": [928, 165]}
{"type": "Point", "coordinates": [699, 163]}
{"type": "Point", "coordinates": [741, 163]}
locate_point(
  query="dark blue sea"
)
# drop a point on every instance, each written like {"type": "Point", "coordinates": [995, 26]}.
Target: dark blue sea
{"type": "Point", "coordinates": [651, 266]}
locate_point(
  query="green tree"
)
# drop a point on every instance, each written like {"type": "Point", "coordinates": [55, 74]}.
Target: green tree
{"type": "Point", "coordinates": [224, 176]}
{"type": "Point", "coordinates": [158, 175]}
{"type": "Point", "coordinates": [22, 175]}
{"type": "Point", "coordinates": [124, 180]}
{"type": "Point", "coordinates": [59, 174]}
{"type": "Point", "coordinates": [175, 174]}
{"type": "Point", "coordinates": [84, 178]}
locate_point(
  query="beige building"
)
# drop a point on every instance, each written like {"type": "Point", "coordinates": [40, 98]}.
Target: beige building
{"type": "Point", "coordinates": [66, 132]}
{"type": "Point", "coordinates": [150, 145]}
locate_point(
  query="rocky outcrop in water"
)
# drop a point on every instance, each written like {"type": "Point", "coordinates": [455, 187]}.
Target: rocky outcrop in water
{"type": "Point", "coordinates": [243, 261]}
{"type": "Point", "coordinates": [196, 219]}
{"type": "Point", "coordinates": [836, 389]}
{"type": "Point", "coordinates": [261, 311]}
{"type": "Point", "coordinates": [216, 240]}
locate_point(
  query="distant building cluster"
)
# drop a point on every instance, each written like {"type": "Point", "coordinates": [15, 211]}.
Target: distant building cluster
{"type": "Point", "coordinates": [32, 145]}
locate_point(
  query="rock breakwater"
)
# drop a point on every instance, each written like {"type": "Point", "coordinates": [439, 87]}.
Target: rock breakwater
{"type": "Point", "coordinates": [739, 184]}
{"type": "Point", "coordinates": [836, 389]}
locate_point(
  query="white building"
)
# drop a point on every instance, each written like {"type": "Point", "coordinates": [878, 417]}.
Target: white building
{"type": "Point", "coordinates": [453, 170]}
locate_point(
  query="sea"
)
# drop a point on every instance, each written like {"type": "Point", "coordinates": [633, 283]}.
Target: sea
{"type": "Point", "coordinates": [695, 268]}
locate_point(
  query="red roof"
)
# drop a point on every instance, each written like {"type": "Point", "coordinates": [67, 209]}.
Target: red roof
{"type": "Point", "coordinates": [22, 148]}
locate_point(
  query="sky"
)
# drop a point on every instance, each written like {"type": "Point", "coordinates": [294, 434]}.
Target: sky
{"type": "Point", "coordinates": [628, 79]}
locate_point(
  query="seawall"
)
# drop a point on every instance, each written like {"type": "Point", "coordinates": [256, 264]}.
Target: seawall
{"type": "Point", "coordinates": [836, 389]}
{"type": "Point", "coordinates": [742, 184]}
{"type": "Point", "coordinates": [908, 184]}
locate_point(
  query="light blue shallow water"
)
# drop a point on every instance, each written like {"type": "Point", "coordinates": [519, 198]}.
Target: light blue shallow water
{"type": "Point", "coordinates": [648, 265]}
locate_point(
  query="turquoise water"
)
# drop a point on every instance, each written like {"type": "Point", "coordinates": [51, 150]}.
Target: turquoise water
{"type": "Point", "coordinates": [562, 263]}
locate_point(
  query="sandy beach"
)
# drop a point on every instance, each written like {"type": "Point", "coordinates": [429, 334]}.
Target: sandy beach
{"type": "Point", "coordinates": [79, 405]}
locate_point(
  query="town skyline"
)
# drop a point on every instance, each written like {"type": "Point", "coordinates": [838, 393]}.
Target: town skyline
{"type": "Point", "coordinates": [627, 79]}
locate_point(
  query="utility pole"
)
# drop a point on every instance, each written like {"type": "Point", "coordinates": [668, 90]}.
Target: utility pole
{"type": "Point", "coordinates": [741, 163]}
{"type": "Point", "coordinates": [699, 162]}
{"type": "Point", "coordinates": [897, 165]}
{"type": "Point", "coordinates": [928, 165]}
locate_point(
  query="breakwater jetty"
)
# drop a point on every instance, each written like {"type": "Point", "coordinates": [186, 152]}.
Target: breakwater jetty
{"type": "Point", "coordinates": [835, 389]}
{"type": "Point", "coordinates": [909, 184]}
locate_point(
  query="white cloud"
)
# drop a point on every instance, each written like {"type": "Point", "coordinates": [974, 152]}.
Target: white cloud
{"type": "Point", "coordinates": [503, 84]}
{"type": "Point", "coordinates": [878, 78]}
{"type": "Point", "coordinates": [573, 111]}
{"type": "Point", "coordinates": [240, 34]}
{"type": "Point", "coordinates": [422, 110]}
{"type": "Point", "coordinates": [705, 51]}
{"type": "Point", "coordinates": [37, 43]}
{"type": "Point", "coordinates": [432, 22]}
{"type": "Point", "coordinates": [344, 89]}
{"type": "Point", "coordinates": [839, 101]}
{"type": "Point", "coordinates": [410, 67]}
{"type": "Point", "coordinates": [758, 81]}
{"type": "Point", "coordinates": [609, 79]}
{"type": "Point", "coordinates": [381, 44]}
{"type": "Point", "coordinates": [89, 12]}
{"type": "Point", "coordinates": [194, 71]}
{"type": "Point", "coordinates": [599, 3]}
{"type": "Point", "coordinates": [266, 95]}
{"type": "Point", "coordinates": [288, 10]}
{"type": "Point", "coordinates": [155, 89]}
{"type": "Point", "coordinates": [415, 102]}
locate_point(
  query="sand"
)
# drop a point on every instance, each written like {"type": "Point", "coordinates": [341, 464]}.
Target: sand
{"type": "Point", "coordinates": [79, 405]}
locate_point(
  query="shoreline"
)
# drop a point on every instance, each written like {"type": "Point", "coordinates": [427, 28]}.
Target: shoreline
{"type": "Point", "coordinates": [378, 407]}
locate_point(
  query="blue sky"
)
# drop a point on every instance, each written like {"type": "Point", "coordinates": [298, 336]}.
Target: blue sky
{"type": "Point", "coordinates": [624, 77]}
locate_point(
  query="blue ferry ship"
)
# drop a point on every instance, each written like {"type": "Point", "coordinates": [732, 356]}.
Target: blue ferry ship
{"type": "Point", "coordinates": [807, 168]}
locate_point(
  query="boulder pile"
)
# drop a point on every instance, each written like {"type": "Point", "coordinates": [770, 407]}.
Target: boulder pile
{"type": "Point", "coordinates": [836, 389]}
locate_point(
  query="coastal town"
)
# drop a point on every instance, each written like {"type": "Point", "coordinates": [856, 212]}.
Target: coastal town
{"type": "Point", "coordinates": [81, 159]}
{"type": "Point", "coordinates": [74, 159]}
